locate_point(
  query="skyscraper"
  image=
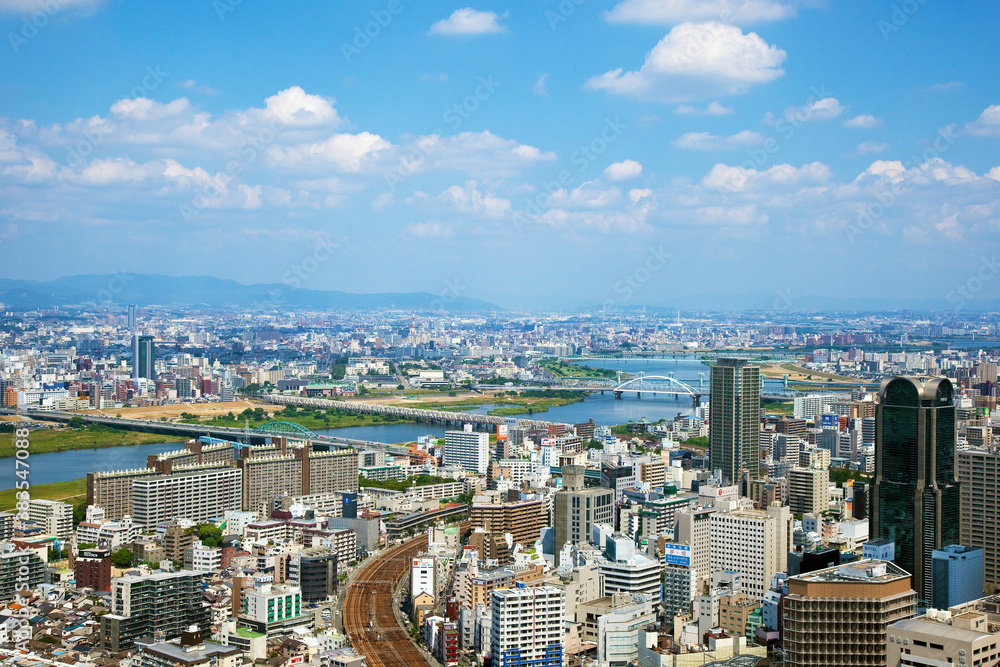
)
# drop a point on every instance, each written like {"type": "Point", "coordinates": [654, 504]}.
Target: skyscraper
{"type": "Point", "coordinates": [131, 316]}
{"type": "Point", "coordinates": [147, 358]}
{"type": "Point", "coordinates": [734, 419]}
{"type": "Point", "coordinates": [916, 499]}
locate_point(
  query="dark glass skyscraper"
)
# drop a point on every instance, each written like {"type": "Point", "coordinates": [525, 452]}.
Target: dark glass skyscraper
{"type": "Point", "coordinates": [734, 419]}
{"type": "Point", "coordinates": [916, 498]}
{"type": "Point", "coordinates": [147, 357]}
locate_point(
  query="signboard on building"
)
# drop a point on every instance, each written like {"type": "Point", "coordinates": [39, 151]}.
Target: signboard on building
{"type": "Point", "coordinates": [830, 421]}
{"type": "Point", "coordinates": [501, 432]}
{"type": "Point", "coordinates": [677, 554]}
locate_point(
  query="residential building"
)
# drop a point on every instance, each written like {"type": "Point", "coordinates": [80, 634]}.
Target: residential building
{"type": "Point", "coordinates": [19, 568]}
{"type": "Point", "coordinates": [527, 627]}
{"type": "Point", "coordinates": [809, 490]}
{"type": "Point", "coordinates": [92, 569]}
{"type": "Point", "coordinates": [734, 419]}
{"type": "Point", "coordinates": [613, 623]}
{"type": "Point", "coordinates": [917, 498]}
{"type": "Point", "coordinates": [268, 604]}
{"type": "Point", "coordinates": [53, 517]}
{"type": "Point", "coordinates": [979, 475]}
{"type": "Point", "coordinates": [190, 650]}
{"type": "Point", "coordinates": [694, 528]}
{"type": "Point", "coordinates": [468, 449]}
{"type": "Point", "coordinates": [314, 571]}
{"type": "Point", "coordinates": [839, 616]}
{"type": "Point", "coordinates": [168, 602]}
{"type": "Point", "coordinates": [523, 519]}
{"type": "Point", "coordinates": [198, 495]}
{"type": "Point", "coordinates": [422, 576]}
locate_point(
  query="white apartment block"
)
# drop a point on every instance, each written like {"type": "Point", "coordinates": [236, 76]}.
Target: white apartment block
{"type": "Point", "coordinates": [753, 543]}
{"type": "Point", "coordinates": [53, 517]}
{"type": "Point", "coordinates": [468, 449]}
{"type": "Point", "coordinates": [198, 495]}
{"type": "Point", "coordinates": [807, 407]}
{"type": "Point", "coordinates": [528, 626]}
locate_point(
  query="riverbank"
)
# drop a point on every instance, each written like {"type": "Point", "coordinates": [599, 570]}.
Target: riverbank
{"type": "Point", "coordinates": [69, 492]}
{"type": "Point", "coordinates": [46, 440]}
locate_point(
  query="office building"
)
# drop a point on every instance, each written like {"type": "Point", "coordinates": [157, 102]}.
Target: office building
{"type": "Point", "coordinates": [625, 571]}
{"type": "Point", "coordinates": [958, 575]}
{"type": "Point", "coordinates": [734, 419]}
{"type": "Point", "coordinates": [53, 517]}
{"type": "Point", "coordinates": [839, 616]}
{"type": "Point", "coordinates": [422, 576]}
{"type": "Point", "coordinates": [680, 581]}
{"type": "Point", "coordinates": [941, 638]}
{"type": "Point", "coordinates": [613, 624]}
{"type": "Point", "coordinates": [467, 449]}
{"type": "Point", "coordinates": [754, 543]}
{"type": "Point", "coordinates": [523, 519]}
{"type": "Point", "coordinates": [198, 495]}
{"type": "Point", "coordinates": [916, 499]}
{"type": "Point", "coordinates": [267, 604]}
{"type": "Point", "coordinates": [92, 569]}
{"type": "Point", "coordinates": [167, 602]}
{"type": "Point", "coordinates": [147, 358]}
{"type": "Point", "coordinates": [577, 509]}
{"type": "Point", "coordinates": [527, 627]}
{"type": "Point", "coordinates": [809, 490]}
{"type": "Point", "coordinates": [314, 571]}
{"type": "Point", "coordinates": [979, 476]}
{"type": "Point", "coordinates": [694, 528]}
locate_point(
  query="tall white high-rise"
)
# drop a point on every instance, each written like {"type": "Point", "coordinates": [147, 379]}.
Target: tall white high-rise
{"type": "Point", "coordinates": [468, 449]}
{"type": "Point", "coordinates": [752, 542]}
{"type": "Point", "coordinates": [528, 626]}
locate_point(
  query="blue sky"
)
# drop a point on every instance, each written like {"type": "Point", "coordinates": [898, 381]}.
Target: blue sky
{"type": "Point", "coordinates": [533, 154]}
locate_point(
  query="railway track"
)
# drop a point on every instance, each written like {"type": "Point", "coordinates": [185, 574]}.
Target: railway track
{"type": "Point", "coordinates": [369, 619]}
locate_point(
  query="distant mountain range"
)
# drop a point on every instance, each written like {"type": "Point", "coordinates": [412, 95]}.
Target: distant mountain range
{"type": "Point", "coordinates": [206, 291]}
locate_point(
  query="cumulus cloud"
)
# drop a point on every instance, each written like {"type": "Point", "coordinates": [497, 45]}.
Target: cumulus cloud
{"type": "Point", "coordinates": [623, 171]}
{"type": "Point", "coordinates": [864, 122]}
{"type": "Point", "coordinates": [468, 21]}
{"type": "Point", "coordinates": [988, 123]}
{"type": "Point", "coordinates": [343, 152]}
{"type": "Point", "coordinates": [695, 61]}
{"type": "Point", "coordinates": [701, 141]}
{"type": "Point", "coordinates": [813, 110]}
{"type": "Point", "coordinates": [539, 86]}
{"type": "Point", "coordinates": [672, 12]}
{"type": "Point", "coordinates": [469, 199]}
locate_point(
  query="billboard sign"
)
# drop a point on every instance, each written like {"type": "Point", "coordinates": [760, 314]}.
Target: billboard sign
{"type": "Point", "coordinates": [677, 554]}
{"type": "Point", "coordinates": [501, 432]}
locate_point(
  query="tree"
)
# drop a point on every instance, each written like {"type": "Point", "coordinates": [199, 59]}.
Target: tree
{"type": "Point", "coordinates": [122, 558]}
{"type": "Point", "coordinates": [79, 512]}
{"type": "Point", "coordinates": [76, 422]}
{"type": "Point", "coordinates": [210, 536]}
{"type": "Point", "coordinates": [400, 386]}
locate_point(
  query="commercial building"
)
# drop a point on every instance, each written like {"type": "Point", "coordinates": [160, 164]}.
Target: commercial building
{"type": "Point", "coordinates": [147, 358]}
{"type": "Point", "coordinates": [694, 528]}
{"type": "Point", "coordinates": [468, 449]}
{"type": "Point", "coordinates": [839, 616]}
{"type": "Point", "coordinates": [92, 569]}
{"type": "Point", "coordinates": [809, 490]}
{"type": "Point", "coordinates": [190, 650]}
{"type": "Point", "coordinates": [577, 509]}
{"type": "Point", "coordinates": [979, 476]}
{"type": "Point", "coordinates": [754, 543]}
{"type": "Point", "coordinates": [734, 419]}
{"type": "Point", "coordinates": [916, 501]}
{"type": "Point", "coordinates": [958, 575]}
{"type": "Point", "coordinates": [53, 517]}
{"type": "Point", "coordinates": [613, 623]}
{"type": "Point", "coordinates": [625, 571]}
{"type": "Point", "coordinates": [941, 638]}
{"type": "Point", "coordinates": [314, 571]}
{"type": "Point", "coordinates": [422, 576]}
{"type": "Point", "coordinates": [198, 495]}
{"type": "Point", "coordinates": [680, 580]}
{"type": "Point", "coordinates": [527, 627]}
{"type": "Point", "coordinates": [168, 602]}
{"type": "Point", "coordinates": [267, 605]}
{"type": "Point", "coordinates": [523, 519]}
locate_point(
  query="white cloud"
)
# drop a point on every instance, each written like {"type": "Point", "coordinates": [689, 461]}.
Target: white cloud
{"type": "Point", "coordinates": [295, 107]}
{"type": "Point", "coordinates": [344, 152]}
{"type": "Point", "coordinates": [727, 179]}
{"type": "Point", "coordinates": [695, 61]}
{"type": "Point", "coordinates": [476, 153]}
{"type": "Point", "coordinates": [813, 110]}
{"type": "Point", "coordinates": [672, 12]}
{"type": "Point", "coordinates": [427, 77]}
{"type": "Point", "coordinates": [383, 201]}
{"type": "Point", "coordinates": [700, 141]}
{"type": "Point", "coordinates": [864, 122]}
{"type": "Point", "coordinates": [539, 86]}
{"type": "Point", "coordinates": [430, 229]}
{"type": "Point", "coordinates": [713, 109]}
{"type": "Point", "coordinates": [988, 123]}
{"type": "Point", "coordinates": [869, 147]}
{"type": "Point", "coordinates": [635, 194]}
{"type": "Point", "coordinates": [45, 7]}
{"type": "Point", "coordinates": [948, 87]}
{"type": "Point", "coordinates": [468, 199]}
{"type": "Point", "coordinates": [191, 84]}
{"type": "Point", "coordinates": [623, 171]}
{"type": "Point", "coordinates": [468, 21]}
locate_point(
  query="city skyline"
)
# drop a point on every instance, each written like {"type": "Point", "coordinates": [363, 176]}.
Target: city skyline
{"type": "Point", "coordinates": [685, 139]}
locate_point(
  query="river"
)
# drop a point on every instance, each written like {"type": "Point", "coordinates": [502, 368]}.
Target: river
{"type": "Point", "coordinates": [603, 409]}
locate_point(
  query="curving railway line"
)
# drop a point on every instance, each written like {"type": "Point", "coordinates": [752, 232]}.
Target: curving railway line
{"type": "Point", "coordinates": [369, 619]}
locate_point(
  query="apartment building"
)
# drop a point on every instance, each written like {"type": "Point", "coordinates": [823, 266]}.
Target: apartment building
{"type": "Point", "coordinates": [754, 543]}
{"type": "Point", "coordinates": [467, 449]}
{"type": "Point", "coordinates": [523, 519]}
{"type": "Point", "coordinates": [527, 627]}
{"type": "Point", "coordinates": [809, 490]}
{"type": "Point", "coordinates": [141, 605]}
{"type": "Point", "coordinates": [979, 476]}
{"type": "Point", "coordinates": [198, 495]}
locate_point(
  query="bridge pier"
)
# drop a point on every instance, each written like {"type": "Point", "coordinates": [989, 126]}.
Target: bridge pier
{"type": "Point", "coordinates": [618, 395]}
{"type": "Point", "coordinates": [697, 400]}
{"type": "Point", "coordinates": [638, 394]}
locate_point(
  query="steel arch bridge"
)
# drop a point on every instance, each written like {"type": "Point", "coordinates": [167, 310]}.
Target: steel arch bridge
{"type": "Point", "coordinates": [284, 428]}
{"type": "Point", "coordinates": [656, 384]}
